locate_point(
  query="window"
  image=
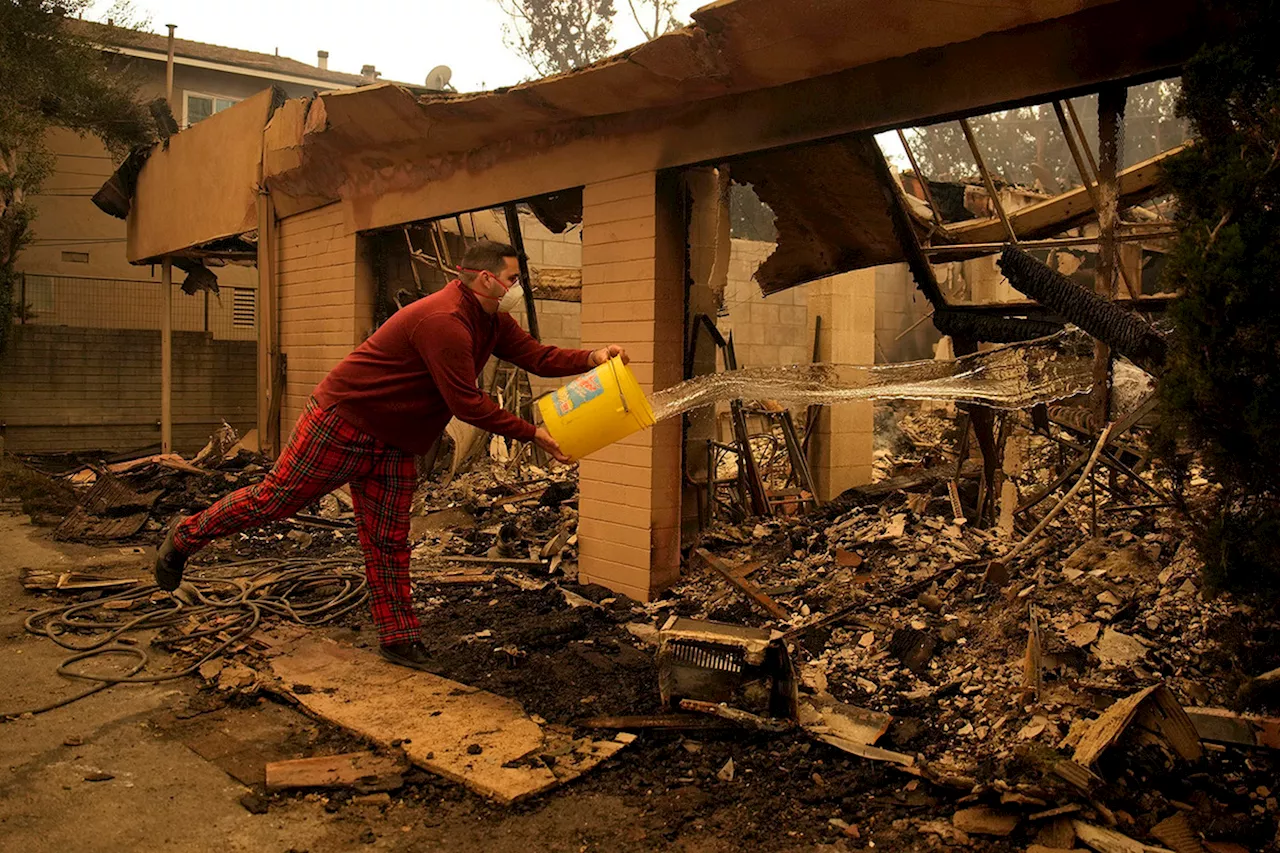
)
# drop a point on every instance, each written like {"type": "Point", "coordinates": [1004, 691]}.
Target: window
{"type": "Point", "coordinates": [75, 257]}
{"type": "Point", "coordinates": [199, 107]}
{"type": "Point", "coordinates": [244, 307]}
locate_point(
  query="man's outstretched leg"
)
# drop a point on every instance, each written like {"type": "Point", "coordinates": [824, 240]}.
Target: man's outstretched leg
{"type": "Point", "coordinates": [382, 501]}
{"type": "Point", "coordinates": [323, 453]}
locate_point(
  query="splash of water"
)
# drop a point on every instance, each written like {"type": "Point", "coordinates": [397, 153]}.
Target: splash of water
{"type": "Point", "coordinates": [1016, 376]}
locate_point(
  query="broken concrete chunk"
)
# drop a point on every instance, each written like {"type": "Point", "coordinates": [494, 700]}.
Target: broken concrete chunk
{"type": "Point", "coordinates": [1083, 634]}
{"type": "Point", "coordinates": [824, 714]}
{"type": "Point", "coordinates": [644, 633]}
{"type": "Point", "coordinates": [1034, 728]}
{"type": "Point", "coordinates": [1115, 649]}
{"type": "Point", "coordinates": [930, 602]}
{"type": "Point", "coordinates": [236, 676]}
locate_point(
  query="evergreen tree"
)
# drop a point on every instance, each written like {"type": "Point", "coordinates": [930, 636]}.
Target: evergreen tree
{"type": "Point", "coordinates": [1222, 389]}
{"type": "Point", "coordinates": [50, 78]}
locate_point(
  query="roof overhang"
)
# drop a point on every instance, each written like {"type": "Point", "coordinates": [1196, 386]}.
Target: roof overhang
{"type": "Point", "coordinates": [240, 70]}
{"type": "Point", "coordinates": [202, 188]}
{"type": "Point", "coordinates": [748, 76]}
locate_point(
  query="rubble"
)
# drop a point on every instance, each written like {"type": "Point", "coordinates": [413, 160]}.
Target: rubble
{"type": "Point", "coordinates": [1047, 701]}
{"type": "Point", "coordinates": [994, 682]}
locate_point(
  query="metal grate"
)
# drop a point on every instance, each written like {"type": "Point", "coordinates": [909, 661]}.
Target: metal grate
{"type": "Point", "coordinates": [723, 660]}
{"type": "Point", "coordinates": [244, 307]}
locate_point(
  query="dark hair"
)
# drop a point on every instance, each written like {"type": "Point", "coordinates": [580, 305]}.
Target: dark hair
{"type": "Point", "coordinates": [486, 255]}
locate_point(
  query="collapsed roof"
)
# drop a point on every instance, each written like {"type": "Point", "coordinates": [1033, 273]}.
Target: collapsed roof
{"type": "Point", "coordinates": [746, 76]}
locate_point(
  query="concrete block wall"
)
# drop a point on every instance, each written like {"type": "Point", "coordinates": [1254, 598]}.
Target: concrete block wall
{"type": "Point", "coordinates": [545, 249]}
{"type": "Point", "coordinates": [323, 301]}
{"type": "Point", "coordinates": [842, 447]}
{"type": "Point", "coordinates": [633, 294]}
{"type": "Point", "coordinates": [900, 308]}
{"type": "Point", "coordinates": [767, 330]}
{"type": "Point", "coordinates": [64, 388]}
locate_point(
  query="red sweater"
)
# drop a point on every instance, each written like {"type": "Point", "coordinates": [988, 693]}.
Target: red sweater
{"type": "Point", "coordinates": [420, 367]}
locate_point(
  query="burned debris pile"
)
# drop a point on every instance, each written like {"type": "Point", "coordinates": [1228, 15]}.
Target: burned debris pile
{"type": "Point", "coordinates": [1073, 697]}
{"type": "Point", "coordinates": [877, 668]}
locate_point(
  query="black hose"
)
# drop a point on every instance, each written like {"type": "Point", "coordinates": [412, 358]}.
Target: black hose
{"type": "Point", "coordinates": [1123, 330]}
{"type": "Point", "coordinates": [999, 330]}
{"type": "Point", "coordinates": [276, 589]}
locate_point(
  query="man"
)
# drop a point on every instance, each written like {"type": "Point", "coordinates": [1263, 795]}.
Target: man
{"type": "Point", "coordinates": [387, 401]}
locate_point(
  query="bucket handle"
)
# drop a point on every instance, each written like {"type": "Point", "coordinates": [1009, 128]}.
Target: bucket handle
{"type": "Point", "coordinates": [618, 383]}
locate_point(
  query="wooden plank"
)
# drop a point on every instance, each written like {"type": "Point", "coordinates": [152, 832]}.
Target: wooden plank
{"type": "Point", "coordinates": [747, 587]}
{"type": "Point", "coordinates": [664, 722]}
{"type": "Point", "coordinates": [1109, 841]}
{"type": "Point", "coordinates": [463, 577]}
{"type": "Point", "coordinates": [1051, 216]}
{"type": "Point", "coordinates": [862, 750]}
{"type": "Point", "coordinates": [462, 733]}
{"type": "Point", "coordinates": [353, 769]}
{"type": "Point", "coordinates": [1222, 726]}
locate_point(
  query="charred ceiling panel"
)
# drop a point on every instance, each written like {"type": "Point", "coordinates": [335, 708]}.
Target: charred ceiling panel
{"type": "Point", "coordinates": [558, 211]}
{"type": "Point", "coordinates": [831, 213]}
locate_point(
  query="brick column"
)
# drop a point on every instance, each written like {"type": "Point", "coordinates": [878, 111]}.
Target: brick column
{"type": "Point", "coordinates": [325, 302]}
{"type": "Point", "coordinates": [633, 295]}
{"type": "Point", "coordinates": [840, 454]}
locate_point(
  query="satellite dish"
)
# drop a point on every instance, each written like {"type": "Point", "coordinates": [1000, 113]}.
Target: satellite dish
{"type": "Point", "coordinates": [438, 78]}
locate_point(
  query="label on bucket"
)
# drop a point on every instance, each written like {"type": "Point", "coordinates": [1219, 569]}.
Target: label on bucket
{"type": "Point", "coordinates": [584, 388]}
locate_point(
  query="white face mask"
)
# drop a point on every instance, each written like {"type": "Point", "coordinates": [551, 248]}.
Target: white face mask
{"type": "Point", "coordinates": [512, 299]}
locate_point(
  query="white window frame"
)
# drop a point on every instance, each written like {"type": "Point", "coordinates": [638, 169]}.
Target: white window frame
{"type": "Point", "coordinates": [186, 103]}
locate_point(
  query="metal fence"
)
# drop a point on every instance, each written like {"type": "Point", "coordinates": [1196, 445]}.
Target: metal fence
{"type": "Point", "coordinates": [114, 303]}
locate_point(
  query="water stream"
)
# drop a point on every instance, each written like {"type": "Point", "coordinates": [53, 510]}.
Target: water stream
{"type": "Point", "coordinates": [1015, 376]}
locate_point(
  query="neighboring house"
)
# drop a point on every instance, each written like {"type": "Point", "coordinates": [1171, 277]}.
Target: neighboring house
{"type": "Point", "coordinates": [83, 371]}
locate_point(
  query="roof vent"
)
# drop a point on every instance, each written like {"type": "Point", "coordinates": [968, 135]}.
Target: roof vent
{"type": "Point", "coordinates": [369, 73]}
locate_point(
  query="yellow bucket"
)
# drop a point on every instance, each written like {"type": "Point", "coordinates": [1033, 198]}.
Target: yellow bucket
{"type": "Point", "coordinates": [596, 409]}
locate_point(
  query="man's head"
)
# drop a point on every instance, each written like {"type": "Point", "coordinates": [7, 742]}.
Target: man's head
{"type": "Point", "coordinates": [490, 269]}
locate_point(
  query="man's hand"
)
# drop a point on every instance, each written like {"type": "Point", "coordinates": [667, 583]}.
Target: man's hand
{"type": "Point", "coordinates": [603, 354]}
{"type": "Point", "coordinates": [544, 440]}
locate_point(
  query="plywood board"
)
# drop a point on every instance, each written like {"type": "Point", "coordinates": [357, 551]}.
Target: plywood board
{"type": "Point", "coordinates": [204, 185]}
{"type": "Point", "coordinates": [473, 737]}
{"type": "Point", "coordinates": [353, 769]}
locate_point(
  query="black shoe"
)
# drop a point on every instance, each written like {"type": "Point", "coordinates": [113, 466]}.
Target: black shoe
{"type": "Point", "coordinates": [413, 655]}
{"type": "Point", "coordinates": [169, 564]}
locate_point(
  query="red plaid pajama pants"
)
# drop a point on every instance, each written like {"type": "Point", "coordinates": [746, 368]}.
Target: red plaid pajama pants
{"type": "Point", "coordinates": [323, 453]}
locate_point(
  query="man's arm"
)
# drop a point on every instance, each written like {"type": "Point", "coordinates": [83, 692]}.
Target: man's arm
{"type": "Point", "coordinates": [446, 346]}
{"type": "Point", "coordinates": [518, 347]}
